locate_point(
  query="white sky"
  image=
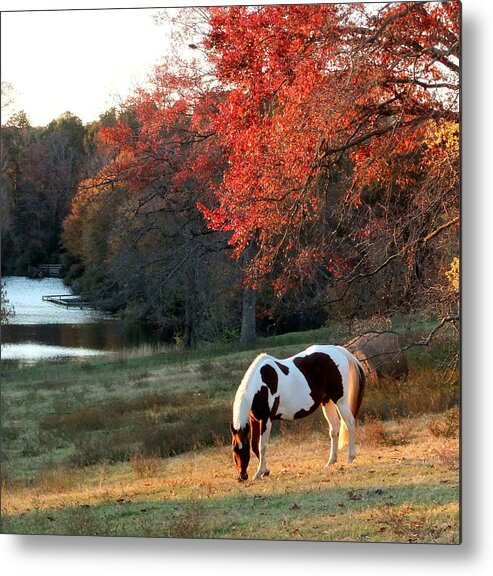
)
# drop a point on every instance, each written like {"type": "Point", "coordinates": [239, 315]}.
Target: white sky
{"type": "Point", "coordinates": [78, 61]}
{"type": "Point", "coordinates": [81, 61]}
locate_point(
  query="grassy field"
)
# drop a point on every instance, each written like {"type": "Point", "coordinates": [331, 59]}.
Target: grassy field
{"type": "Point", "coordinates": [138, 445]}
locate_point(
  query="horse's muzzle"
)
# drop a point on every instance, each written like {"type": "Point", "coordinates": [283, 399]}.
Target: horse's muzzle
{"type": "Point", "coordinates": [242, 477]}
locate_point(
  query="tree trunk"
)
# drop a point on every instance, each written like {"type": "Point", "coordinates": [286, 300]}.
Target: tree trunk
{"type": "Point", "coordinates": [248, 317]}
{"type": "Point", "coordinates": [248, 331]}
{"type": "Point", "coordinates": [190, 340]}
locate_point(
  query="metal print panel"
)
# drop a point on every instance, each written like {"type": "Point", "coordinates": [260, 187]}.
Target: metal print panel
{"type": "Point", "coordinates": [230, 272]}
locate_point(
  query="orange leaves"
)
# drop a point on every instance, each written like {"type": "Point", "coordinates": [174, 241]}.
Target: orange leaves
{"type": "Point", "coordinates": [338, 266]}
{"type": "Point", "coordinates": [312, 83]}
{"type": "Point", "coordinates": [159, 141]}
{"type": "Point", "coordinates": [115, 137]}
{"type": "Point", "coordinates": [297, 90]}
{"type": "Point", "coordinates": [271, 147]}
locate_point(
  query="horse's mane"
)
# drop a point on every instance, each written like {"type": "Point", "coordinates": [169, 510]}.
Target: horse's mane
{"type": "Point", "coordinates": [242, 403]}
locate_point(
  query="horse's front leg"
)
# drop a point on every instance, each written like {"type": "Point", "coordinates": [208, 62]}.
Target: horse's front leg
{"type": "Point", "coordinates": [255, 431]}
{"type": "Point", "coordinates": [262, 469]}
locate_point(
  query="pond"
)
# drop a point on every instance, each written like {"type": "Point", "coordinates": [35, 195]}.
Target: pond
{"type": "Point", "coordinates": [42, 330]}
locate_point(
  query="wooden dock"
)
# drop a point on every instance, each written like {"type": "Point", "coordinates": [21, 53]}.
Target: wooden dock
{"type": "Point", "coordinates": [50, 270]}
{"type": "Point", "coordinates": [66, 300]}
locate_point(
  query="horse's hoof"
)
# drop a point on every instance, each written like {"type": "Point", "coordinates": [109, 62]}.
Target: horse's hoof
{"type": "Point", "coordinates": [350, 460]}
{"type": "Point", "coordinates": [261, 474]}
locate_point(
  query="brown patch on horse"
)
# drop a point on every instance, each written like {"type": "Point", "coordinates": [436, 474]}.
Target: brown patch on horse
{"type": "Point", "coordinates": [302, 413]}
{"type": "Point", "coordinates": [260, 408]}
{"type": "Point", "coordinates": [255, 435]}
{"type": "Point", "coordinates": [323, 377]}
{"type": "Point", "coordinates": [284, 368]}
{"type": "Point", "coordinates": [260, 405]}
{"type": "Point", "coordinates": [269, 377]}
{"type": "Point", "coordinates": [241, 449]}
{"type": "Point", "coordinates": [273, 413]}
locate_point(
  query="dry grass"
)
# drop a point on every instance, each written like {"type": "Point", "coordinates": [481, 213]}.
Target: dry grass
{"type": "Point", "coordinates": [187, 522]}
{"type": "Point", "coordinates": [408, 524]}
{"type": "Point", "coordinates": [403, 493]}
{"type": "Point", "coordinates": [448, 456]}
{"type": "Point", "coordinates": [146, 466]}
{"type": "Point", "coordinates": [147, 424]}
{"type": "Point", "coordinates": [446, 425]}
{"type": "Point", "coordinates": [373, 432]}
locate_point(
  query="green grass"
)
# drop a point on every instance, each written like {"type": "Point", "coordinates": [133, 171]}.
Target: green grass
{"type": "Point", "coordinates": [112, 446]}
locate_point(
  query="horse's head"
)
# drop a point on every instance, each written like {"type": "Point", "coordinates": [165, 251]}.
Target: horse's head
{"type": "Point", "coordinates": [241, 450]}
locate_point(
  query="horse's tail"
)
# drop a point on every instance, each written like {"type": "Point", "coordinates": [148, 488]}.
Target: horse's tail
{"type": "Point", "coordinates": [357, 383]}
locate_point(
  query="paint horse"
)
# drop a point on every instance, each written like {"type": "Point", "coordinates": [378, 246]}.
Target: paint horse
{"type": "Point", "coordinates": [273, 389]}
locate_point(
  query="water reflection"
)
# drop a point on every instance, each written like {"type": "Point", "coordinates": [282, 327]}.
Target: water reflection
{"type": "Point", "coordinates": [26, 296]}
{"type": "Point", "coordinates": [44, 331]}
{"type": "Point", "coordinates": [30, 353]}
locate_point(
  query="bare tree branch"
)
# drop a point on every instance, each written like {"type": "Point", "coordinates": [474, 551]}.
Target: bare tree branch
{"type": "Point", "coordinates": [440, 229]}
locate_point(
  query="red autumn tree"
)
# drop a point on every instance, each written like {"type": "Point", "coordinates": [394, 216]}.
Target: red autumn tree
{"type": "Point", "coordinates": [319, 93]}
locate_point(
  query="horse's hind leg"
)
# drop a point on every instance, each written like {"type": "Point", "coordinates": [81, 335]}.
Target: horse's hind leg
{"type": "Point", "coordinates": [332, 417]}
{"type": "Point", "coordinates": [347, 416]}
{"type": "Point", "coordinates": [262, 469]}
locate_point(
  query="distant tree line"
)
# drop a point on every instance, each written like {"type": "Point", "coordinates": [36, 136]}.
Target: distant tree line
{"type": "Point", "coordinates": [41, 170]}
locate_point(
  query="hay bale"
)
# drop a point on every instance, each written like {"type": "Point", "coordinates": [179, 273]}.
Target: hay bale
{"type": "Point", "coordinates": [380, 354]}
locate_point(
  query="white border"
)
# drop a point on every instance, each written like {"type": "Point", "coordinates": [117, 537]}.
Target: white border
{"type": "Point", "coordinates": [42, 555]}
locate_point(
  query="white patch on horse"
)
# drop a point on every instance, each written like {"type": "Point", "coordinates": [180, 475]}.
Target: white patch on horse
{"type": "Point", "coordinates": [245, 393]}
{"type": "Point", "coordinates": [293, 398]}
